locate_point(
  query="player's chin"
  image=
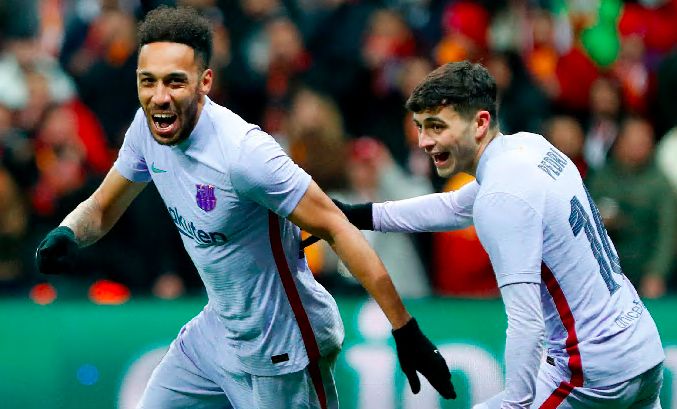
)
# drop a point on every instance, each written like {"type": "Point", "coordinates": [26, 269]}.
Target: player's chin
{"type": "Point", "coordinates": [167, 140]}
{"type": "Point", "coordinates": [446, 171]}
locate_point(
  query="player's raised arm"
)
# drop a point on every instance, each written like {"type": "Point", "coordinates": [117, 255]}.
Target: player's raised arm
{"type": "Point", "coordinates": [90, 221]}
{"type": "Point", "coordinates": [316, 214]}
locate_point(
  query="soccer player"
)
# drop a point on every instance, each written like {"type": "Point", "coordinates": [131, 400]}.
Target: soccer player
{"type": "Point", "coordinates": [556, 267]}
{"type": "Point", "coordinates": [269, 334]}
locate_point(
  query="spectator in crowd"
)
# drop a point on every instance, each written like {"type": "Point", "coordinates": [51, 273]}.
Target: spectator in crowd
{"type": "Point", "coordinates": [465, 25]}
{"type": "Point", "coordinates": [638, 206]}
{"type": "Point", "coordinates": [287, 61]}
{"type": "Point", "coordinates": [541, 51]}
{"type": "Point", "coordinates": [415, 161]}
{"type": "Point", "coordinates": [102, 66]}
{"type": "Point", "coordinates": [630, 68]}
{"type": "Point", "coordinates": [604, 118]}
{"type": "Point", "coordinates": [388, 55]}
{"type": "Point", "coordinates": [70, 148]}
{"type": "Point", "coordinates": [315, 137]}
{"type": "Point", "coordinates": [524, 105]}
{"type": "Point", "coordinates": [29, 82]}
{"type": "Point", "coordinates": [590, 61]}
{"type": "Point", "coordinates": [335, 40]}
{"type": "Point", "coordinates": [566, 134]}
{"type": "Point", "coordinates": [16, 149]}
{"type": "Point", "coordinates": [246, 76]}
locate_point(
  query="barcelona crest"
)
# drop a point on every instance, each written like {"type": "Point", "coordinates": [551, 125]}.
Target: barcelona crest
{"type": "Point", "coordinates": [205, 198]}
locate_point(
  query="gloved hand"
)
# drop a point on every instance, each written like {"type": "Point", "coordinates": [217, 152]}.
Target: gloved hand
{"type": "Point", "coordinates": [56, 252]}
{"type": "Point", "coordinates": [416, 353]}
{"type": "Point", "coordinates": [358, 214]}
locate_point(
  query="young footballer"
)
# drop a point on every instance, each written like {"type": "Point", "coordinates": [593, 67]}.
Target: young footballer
{"type": "Point", "coordinates": [556, 267]}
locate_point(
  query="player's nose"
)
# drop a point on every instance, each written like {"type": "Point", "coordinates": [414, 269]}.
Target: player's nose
{"type": "Point", "coordinates": [160, 96]}
{"type": "Point", "coordinates": [425, 142]}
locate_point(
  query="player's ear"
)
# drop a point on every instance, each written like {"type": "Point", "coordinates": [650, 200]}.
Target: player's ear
{"type": "Point", "coordinates": [206, 81]}
{"type": "Point", "coordinates": [482, 123]}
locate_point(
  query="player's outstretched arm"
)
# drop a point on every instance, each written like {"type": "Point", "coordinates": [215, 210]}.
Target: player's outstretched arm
{"type": "Point", "coordinates": [433, 212]}
{"type": "Point", "coordinates": [317, 215]}
{"type": "Point", "coordinates": [90, 221]}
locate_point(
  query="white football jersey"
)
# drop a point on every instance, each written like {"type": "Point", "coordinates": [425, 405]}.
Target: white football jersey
{"type": "Point", "coordinates": [229, 188]}
{"type": "Point", "coordinates": [539, 224]}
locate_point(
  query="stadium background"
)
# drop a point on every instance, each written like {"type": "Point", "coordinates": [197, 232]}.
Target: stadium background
{"type": "Point", "coordinates": [328, 79]}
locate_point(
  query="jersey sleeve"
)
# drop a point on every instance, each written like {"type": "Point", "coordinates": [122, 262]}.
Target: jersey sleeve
{"type": "Point", "coordinates": [265, 174]}
{"type": "Point", "coordinates": [131, 162]}
{"type": "Point", "coordinates": [523, 342]}
{"type": "Point", "coordinates": [511, 232]}
{"type": "Point", "coordinates": [434, 212]}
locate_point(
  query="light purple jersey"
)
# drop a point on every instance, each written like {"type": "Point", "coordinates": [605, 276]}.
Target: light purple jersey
{"type": "Point", "coordinates": [229, 188]}
{"type": "Point", "coordinates": [597, 329]}
{"type": "Point", "coordinates": [539, 225]}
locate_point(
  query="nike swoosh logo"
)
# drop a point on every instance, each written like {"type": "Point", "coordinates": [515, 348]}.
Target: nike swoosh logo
{"type": "Point", "coordinates": [156, 170]}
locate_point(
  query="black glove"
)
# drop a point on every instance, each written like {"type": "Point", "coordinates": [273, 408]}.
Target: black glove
{"type": "Point", "coordinates": [358, 214]}
{"type": "Point", "coordinates": [416, 353]}
{"type": "Point", "coordinates": [56, 252]}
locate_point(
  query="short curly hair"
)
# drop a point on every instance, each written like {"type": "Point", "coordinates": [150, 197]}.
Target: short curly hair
{"type": "Point", "coordinates": [465, 86]}
{"type": "Point", "coordinates": [178, 25]}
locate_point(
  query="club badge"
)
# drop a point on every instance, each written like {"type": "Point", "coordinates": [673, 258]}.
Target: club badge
{"type": "Point", "coordinates": [205, 198]}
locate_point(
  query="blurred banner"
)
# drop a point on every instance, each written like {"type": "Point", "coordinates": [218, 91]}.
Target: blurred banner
{"type": "Point", "coordinates": [78, 355]}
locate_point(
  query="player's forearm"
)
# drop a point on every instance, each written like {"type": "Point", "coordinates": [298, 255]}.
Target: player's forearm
{"type": "Point", "coordinates": [87, 222]}
{"type": "Point", "coordinates": [523, 343]}
{"type": "Point", "coordinates": [353, 249]}
{"type": "Point", "coordinates": [433, 212]}
{"type": "Point", "coordinates": [521, 366]}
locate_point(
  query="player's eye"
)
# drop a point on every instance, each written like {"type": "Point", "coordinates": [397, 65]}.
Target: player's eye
{"type": "Point", "coordinates": [176, 83]}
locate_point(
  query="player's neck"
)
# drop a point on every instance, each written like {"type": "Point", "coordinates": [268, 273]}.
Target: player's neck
{"type": "Point", "coordinates": [484, 142]}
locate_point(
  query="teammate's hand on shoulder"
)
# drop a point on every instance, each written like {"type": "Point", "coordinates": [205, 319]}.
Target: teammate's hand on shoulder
{"type": "Point", "coordinates": [56, 252]}
{"type": "Point", "coordinates": [417, 354]}
{"type": "Point", "coordinates": [358, 214]}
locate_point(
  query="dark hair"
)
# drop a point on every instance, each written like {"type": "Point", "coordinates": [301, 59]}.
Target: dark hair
{"type": "Point", "coordinates": [466, 86]}
{"type": "Point", "coordinates": [178, 25]}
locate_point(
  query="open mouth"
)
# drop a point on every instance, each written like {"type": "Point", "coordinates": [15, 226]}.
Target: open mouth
{"type": "Point", "coordinates": [165, 123]}
{"type": "Point", "coordinates": [440, 158]}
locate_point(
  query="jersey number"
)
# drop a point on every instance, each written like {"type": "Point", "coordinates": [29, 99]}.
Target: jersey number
{"type": "Point", "coordinates": [599, 243]}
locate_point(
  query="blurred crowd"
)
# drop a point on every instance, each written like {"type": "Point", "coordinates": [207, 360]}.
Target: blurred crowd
{"type": "Point", "coordinates": [328, 79]}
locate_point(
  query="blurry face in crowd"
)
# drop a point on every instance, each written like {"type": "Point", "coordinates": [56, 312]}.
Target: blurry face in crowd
{"type": "Point", "coordinates": [499, 69]}
{"type": "Point", "coordinates": [605, 98]}
{"type": "Point", "coordinates": [451, 141]}
{"type": "Point", "coordinates": [635, 143]}
{"type": "Point", "coordinates": [567, 136]}
{"type": "Point", "coordinates": [414, 71]}
{"type": "Point", "coordinates": [171, 87]}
